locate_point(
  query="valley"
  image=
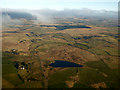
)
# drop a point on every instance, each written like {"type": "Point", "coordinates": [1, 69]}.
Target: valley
{"type": "Point", "coordinates": [29, 49]}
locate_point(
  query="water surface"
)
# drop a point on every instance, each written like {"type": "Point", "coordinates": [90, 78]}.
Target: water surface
{"type": "Point", "coordinates": [59, 63]}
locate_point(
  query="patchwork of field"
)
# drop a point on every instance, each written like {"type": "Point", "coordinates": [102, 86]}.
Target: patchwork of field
{"type": "Point", "coordinates": [29, 49]}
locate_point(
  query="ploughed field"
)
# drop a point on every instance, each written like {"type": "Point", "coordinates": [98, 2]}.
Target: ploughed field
{"type": "Point", "coordinates": [30, 52]}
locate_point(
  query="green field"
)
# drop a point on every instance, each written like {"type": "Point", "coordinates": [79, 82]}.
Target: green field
{"type": "Point", "coordinates": [29, 49]}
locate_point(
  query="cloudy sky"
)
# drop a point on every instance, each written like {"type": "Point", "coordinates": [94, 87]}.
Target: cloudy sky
{"type": "Point", "coordinates": [60, 4]}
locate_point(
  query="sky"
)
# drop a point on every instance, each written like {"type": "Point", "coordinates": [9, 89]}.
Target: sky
{"type": "Point", "coordinates": [111, 5]}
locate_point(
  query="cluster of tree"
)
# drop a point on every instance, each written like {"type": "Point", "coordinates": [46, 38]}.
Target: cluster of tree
{"type": "Point", "coordinates": [20, 65]}
{"type": "Point", "coordinates": [13, 51]}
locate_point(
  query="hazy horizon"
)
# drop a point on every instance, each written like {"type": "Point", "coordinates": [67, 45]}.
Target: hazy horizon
{"type": "Point", "coordinates": [111, 5]}
{"type": "Point", "coordinates": [60, 44]}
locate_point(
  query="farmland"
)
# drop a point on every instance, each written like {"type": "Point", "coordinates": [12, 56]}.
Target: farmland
{"type": "Point", "coordinates": [82, 41]}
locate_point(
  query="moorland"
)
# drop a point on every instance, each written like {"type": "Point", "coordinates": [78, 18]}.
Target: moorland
{"type": "Point", "coordinates": [28, 49]}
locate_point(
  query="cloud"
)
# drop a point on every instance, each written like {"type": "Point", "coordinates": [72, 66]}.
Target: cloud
{"type": "Point", "coordinates": [12, 17]}
{"type": "Point", "coordinates": [47, 16]}
{"type": "Point", "coordinates": [7, 20]}
{"type": "Point", "coordinates": [41, 18]}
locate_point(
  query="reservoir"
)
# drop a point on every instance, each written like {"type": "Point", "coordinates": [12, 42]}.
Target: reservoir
{"type": "Point", "coordinates": [59, 63]}
{"type": "Point", "coordinates": [62, 27]}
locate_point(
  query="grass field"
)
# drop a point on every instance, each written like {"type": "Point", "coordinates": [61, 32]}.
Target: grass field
{"type": "Point", "coordinates": [35, 47]}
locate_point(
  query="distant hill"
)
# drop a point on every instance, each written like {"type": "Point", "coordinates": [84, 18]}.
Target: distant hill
{"type": "Point", "coordinates": [86, 13]}
{"type": "Point", "coordinates": [11, 16]}
{"type": "Point", "coordinates": [18, 15]}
